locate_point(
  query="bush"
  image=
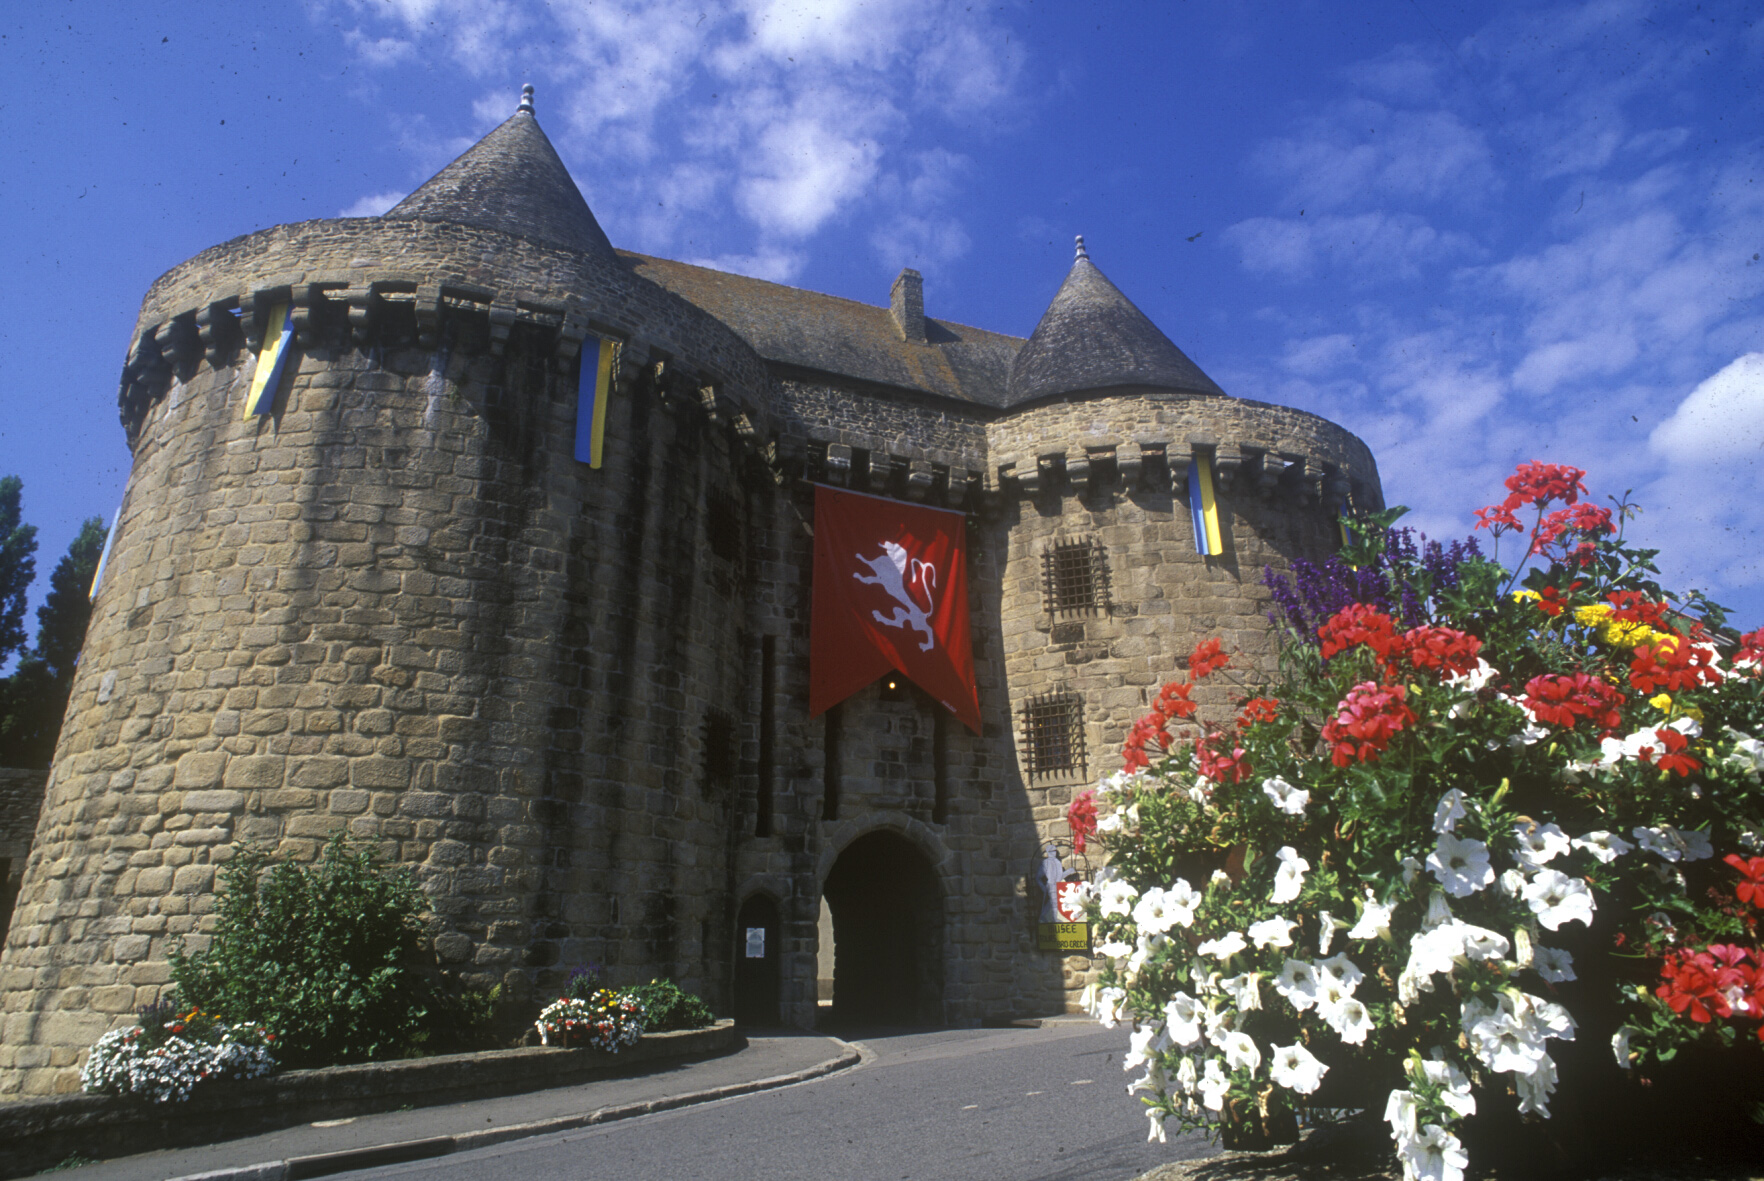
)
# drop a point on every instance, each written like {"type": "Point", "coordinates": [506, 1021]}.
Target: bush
{"type": "Point", "coordinates": [666, 1006]}
{"type": "Point", "coordinates": [321, 955]}
{"type": "Point", "coordinates": [169, 1054]}
{"type": "Point", "coordinates": [1462, 862]}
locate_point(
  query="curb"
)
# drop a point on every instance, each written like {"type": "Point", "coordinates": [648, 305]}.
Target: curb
{"type": "Point", "coordinates": [327, 1163]}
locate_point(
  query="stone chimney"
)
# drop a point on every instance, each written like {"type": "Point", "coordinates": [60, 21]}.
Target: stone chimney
{"type": "Point", "coordinates": [906, 302]}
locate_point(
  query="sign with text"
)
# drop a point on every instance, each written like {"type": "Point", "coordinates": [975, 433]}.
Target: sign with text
{"type": "Point", "coordinates": [1063, 936]}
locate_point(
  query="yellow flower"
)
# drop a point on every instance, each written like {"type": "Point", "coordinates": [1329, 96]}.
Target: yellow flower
{"type": "Point", "coordinates": [1519, 596]}
{"type": "Point", "coordinates": [1592, 615]}
{"type": "Point", "coordinates": [1663, 702]}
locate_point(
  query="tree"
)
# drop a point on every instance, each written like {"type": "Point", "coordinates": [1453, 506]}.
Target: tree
{"type": "Point", "coordinates": [34, 697]}
{"type": "Point", "coordinates": [18, 567]}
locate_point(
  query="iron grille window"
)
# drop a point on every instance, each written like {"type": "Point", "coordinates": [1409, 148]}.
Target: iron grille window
{"type": "Point", "coordinates": [1075, 578]}
{"type": "Point", "coordinates": [1053, 734]}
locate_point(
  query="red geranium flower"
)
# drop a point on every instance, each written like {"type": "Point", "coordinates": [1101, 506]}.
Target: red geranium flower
{"type": "Point", "coordinates": [1540, 483]}
{"type": "Point", "coordinates": [1206, 658]}
{"type": "Point", "coordinates": [1258, 709]}
{"type": "Point", "coordinates": [1365, 722]}
{"type": "Point", "coordinates": [1081, 817]}
{"type": "Point", "coordinates": [1752, 870]}
{"type": "Point", "coordinates": [1359, 623]}
{"type": "Point", "coordinates": [1441, 648]}
{"type": "Point", "coordinates": [1561, 700]}
{"type": "Point", "coordinates": [1219, 766]}
{"type": "Point", "coordinates": [1671, 666]}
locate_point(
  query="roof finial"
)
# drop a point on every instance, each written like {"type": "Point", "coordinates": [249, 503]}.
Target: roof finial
{"type": "Point", "coordinates": [1081, 253]}
{"type": "Point", "coordinates": [526, 99]}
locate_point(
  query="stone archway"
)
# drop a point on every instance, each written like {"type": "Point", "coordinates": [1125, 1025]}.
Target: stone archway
{"type": "Point", "coordinates": [887, 908]}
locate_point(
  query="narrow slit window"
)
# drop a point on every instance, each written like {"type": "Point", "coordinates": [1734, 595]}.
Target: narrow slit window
{"type": "Point", "coordinates": [1075, 578]}
{"type": "Point", "coordinates": [1053, 735]}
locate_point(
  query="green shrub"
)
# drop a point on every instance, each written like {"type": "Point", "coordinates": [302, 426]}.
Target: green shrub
{"type": "Point", "coordinates": [319, 954]}
{"type": "Point", "coordinates": [667, 1006]}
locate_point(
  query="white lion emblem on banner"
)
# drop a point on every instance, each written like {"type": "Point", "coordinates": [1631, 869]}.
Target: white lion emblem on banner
{"type": "Point", "coordinates": [890, 571]}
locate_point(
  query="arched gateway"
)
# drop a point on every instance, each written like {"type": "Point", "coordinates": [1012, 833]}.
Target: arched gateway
{"type": "Point", "coordinates": [887, 908]}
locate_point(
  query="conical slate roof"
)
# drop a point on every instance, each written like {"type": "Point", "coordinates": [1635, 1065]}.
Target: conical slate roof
{"type": "Point", "coordinates": [511, 180]}
{"type": "Point", "coordinates": [1092, 337]}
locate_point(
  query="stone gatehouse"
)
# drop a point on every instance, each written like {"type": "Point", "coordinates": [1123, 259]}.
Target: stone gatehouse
{"type": "Point", "coordinates": [574, 699]}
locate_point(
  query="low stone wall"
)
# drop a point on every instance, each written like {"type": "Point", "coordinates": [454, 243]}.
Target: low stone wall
{"type": "Point", "coordinates": [38, 1133]}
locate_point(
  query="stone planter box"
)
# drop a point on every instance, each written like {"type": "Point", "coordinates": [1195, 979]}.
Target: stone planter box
{"type": "Point", "coordinates": [37, 1133]}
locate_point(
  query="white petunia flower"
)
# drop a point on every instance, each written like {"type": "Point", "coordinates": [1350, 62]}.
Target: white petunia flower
{"type": "Point", "coordinates": [1153, 912]}
{"type": "Point", "coordinates": [1297, 983]}
{"type": "Point", "coordinates": [1538, 844]}
{"type": "Point", "coordinates": [1244, 991]}
{"type": "Point", "coordinates": [1461, 866]}
{"type": "Point", "coordinates": [1224, 947]}
{"type": "Point", "coordinates": [1454, 1087]}
{"type": "Point", "coordinates": [1114, 949]}
{"type": "Point", "coordinates": [1536, 1088]}
{"type": "Point", "coordinates": [1350, 1018]}
{"type": "Point", "coordinates": [1620, 1047]}
{"type": "Point", "coordinates": [1155, 1115]}
{"type": "Point", "coordinates": [1184, 1016]}
{"type": "Point", "coordinates": [1411, 870]}
{"type": "Point", "coordinates": [1399, 1112]}
{"type": "Point", "coordinates": [1286, 797]}
{"type": "Point", "coordinates": [1107, 1007]}
{"type": "Point", "coordinates": [1327, 926]}
{"type": "Point", "coordinates": [1449, 811]}
{"type": "Point", "coordinates": [1219, 878]}
{"type": "Point", "coordinates": [1511, 882]}
{"type": "Point", "coordinates": [1186, 1076]}
{"type": "Point", "coordinates": [1747, 755]}
{"type": "Point", "coordinates": [1296, 1068]}
{"type": "Point", "coordinates": [1434, 1154]}
{"type": "Point", "coordinates": [1374, 920]}
{"type": "Point", "coordinates": [1145, 1041]}
{"type": "Point", "coordinates": [1289, 879]}
{"type": "Point", "coordinates": [1553, 964]}
{"type": "Point", "coordinates": [1606, 846]}
{"type": "Point", "coordinates": [1241, 1052]}
{"type": "Point", "coordinates": [1557, 898]}
{"type": "Point", "coordinates": [1117, 898]}
{"type": "Point", "coordinates": [1502, 1039]}
{"type": "Point", "coordinates": [1274, 932]}
{"type": "Point", "coordinates": [1480, 943]}
{"type": "Point", "coordinates": [1182, 899]}
{"type": "Point", "coordinates": [1213, 1085]}
{"type": "Point", "coordinates": [1343, 971]}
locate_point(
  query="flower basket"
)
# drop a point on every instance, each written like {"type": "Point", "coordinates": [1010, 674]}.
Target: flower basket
{"type": "Point", "coordinates": [1484, 859]}
{"type": "Point", "coordinates": [605, 1020]}
{"type": "Point", "coordinates": [165, 1059]}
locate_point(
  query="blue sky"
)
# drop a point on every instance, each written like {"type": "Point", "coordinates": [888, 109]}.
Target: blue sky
{"type": "Point", "coordinates": [1472, 234]}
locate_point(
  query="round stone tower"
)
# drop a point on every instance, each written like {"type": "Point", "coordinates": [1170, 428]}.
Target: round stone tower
{"type": "Point", "coordinates": [396, 603]}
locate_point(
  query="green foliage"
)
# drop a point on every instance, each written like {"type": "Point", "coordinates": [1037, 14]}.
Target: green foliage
{"type": "Point", "coordinates": [666, 1006]}
{"type": "Point", "coordinates": [18, 566]}
{"type": "Point", "coordinates": [34, 698]}
{"type": "Point", "coordinates": [467, 1020]}
{"type": "Point", "coordinates": [321, 955]}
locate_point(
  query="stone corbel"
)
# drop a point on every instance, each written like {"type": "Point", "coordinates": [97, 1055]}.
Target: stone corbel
{"type": "Point", "coordinates": [306, 298]}
{"type": "Point", "coordinates": [218, 329]}
{"type": "Point", "coordinates": [1268, 467]}
{"type": "Point", "coordinates": [838, 464]}
{"type": "Point", "coordinates": [428, 314]}
{"type": "Point", "coordinates": [1227, 463]}
{"type": "Point", "coordinates": [881, 467]}
{"type": "Point", "coordinates": [1130, 462]}
{"type": "Point", "coordinates": [1078, 470]}
{"type": "Point", "coordinates": [1336, 488]}
{"type": "Point", "coordinates": [502, 318]}
{"type": "Point", "coordinates": [707, 399]}
{"type": "Point", "coordinates": [570, 335]}
{"type": "Point", "coordinates": [1052, 463]}
{"type": "Point", "coordinates": [358, 303]}
{"type": "Point", "coordinates": [178, 341]}
{"type": "Point", "coordinates": [919, 478]}
{"type": "Point", "coordinates": [955, 493]}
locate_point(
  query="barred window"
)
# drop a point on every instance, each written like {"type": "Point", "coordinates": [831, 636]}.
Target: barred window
{"type": "Point", "coordinates": [1075, 578]}
{"type": "Point", "coordinates": [1053, 734]}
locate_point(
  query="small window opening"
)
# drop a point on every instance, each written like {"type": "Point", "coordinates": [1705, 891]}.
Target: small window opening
{"type": "Point", "coordinates": [1053, 734]}
{"type": "Point", "coordinates": [1075, 578]}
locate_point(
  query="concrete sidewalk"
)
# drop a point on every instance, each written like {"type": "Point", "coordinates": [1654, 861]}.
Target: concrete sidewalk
{"type": "Point", "coordinates": [335, 1146]}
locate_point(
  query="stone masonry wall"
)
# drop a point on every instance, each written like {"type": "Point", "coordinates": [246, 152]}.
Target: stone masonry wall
{"type": "Point", "coordinates": [21, 799]}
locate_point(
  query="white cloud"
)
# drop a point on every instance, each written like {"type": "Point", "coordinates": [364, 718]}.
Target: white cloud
{"type": "Point", "coordinates": [1359, 247]}
{"type": "Point", "coordinates": [372, 205]}
{"type": "Point", "coordinates": [737, 127]}
{"type": "Point", "coordinates": [1721, 420]}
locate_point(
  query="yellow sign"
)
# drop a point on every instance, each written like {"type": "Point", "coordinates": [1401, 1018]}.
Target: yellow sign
{"type": "Point", "coordinates": [1063, 937]}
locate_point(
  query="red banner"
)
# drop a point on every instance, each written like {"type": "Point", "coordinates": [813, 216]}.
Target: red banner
{"type": "Point", "coordinates": [891, 592]}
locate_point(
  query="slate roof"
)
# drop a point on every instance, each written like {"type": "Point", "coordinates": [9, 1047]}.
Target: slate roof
{"type": "Point", "coordinates": [511, 180]}
{"type": "Point", "coordinates": [809, 330]}
{"type": "Point", "coordinates": [1092, 338]}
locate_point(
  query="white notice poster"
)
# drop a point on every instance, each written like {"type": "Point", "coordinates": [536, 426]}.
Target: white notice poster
{"type": "Point", "coordinates": [756, 943]}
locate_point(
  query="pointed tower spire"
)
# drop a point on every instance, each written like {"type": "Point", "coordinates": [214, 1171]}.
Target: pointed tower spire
{"type": "Point", "coordinates": [1092, 338]}
{"type": "Point", "coordinates": [511, 180]}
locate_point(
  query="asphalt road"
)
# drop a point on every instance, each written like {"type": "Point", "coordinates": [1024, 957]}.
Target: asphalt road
{"type": "Point", "coordinates": [953, 1105]}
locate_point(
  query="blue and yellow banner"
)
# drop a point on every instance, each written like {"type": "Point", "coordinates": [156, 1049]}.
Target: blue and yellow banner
{"type": "Point", "coordinates": [591, 397]}
{"type": "Point", "coordinates": [1203, 507]}
{"type": "Point", "coordinates": [104, 557]}
{"type": "Point", "coordinates": [271, 359]}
